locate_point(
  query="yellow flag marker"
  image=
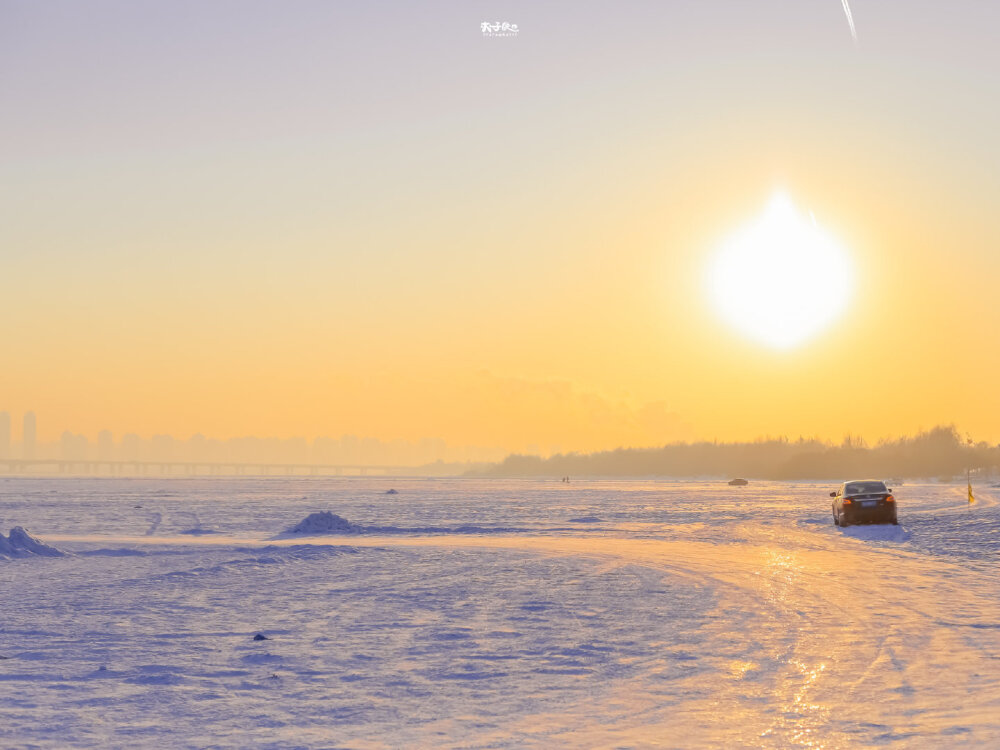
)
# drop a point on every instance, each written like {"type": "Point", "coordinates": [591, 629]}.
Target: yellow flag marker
{"type": "Point", "coordinates": [972, 498]}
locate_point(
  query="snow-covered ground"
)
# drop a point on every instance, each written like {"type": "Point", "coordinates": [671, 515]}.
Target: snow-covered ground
{"type": "Point", "coordinates": [472, 614]}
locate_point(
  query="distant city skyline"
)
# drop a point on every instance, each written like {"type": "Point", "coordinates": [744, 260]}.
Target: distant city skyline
{"type": "Point", "coordinates": [130, 446]}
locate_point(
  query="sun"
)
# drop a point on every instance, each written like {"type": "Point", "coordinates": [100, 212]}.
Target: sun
{"type": "Point", "coordinates": [781, 279]}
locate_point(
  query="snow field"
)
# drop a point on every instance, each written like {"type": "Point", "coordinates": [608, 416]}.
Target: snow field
{"type": "Point", "coordinates": [464, 613]}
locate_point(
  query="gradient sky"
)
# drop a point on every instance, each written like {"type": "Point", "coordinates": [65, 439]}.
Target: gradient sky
{"type": "Point", "coordinates": [317, 218]}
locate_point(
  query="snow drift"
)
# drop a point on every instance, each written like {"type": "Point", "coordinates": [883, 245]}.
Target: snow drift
{"type": "Point", "coordinates": [20, 544]}
{"type": "Point", "coordinates": [323, 522]}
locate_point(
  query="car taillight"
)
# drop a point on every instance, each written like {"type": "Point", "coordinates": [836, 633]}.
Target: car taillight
{"type": "Point", "coordinates": [847, 501]}
{"type": "Point", "coordinates": [890, 499]}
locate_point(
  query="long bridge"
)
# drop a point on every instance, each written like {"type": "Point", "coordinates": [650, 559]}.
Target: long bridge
{"type": "Point", "coordinates": [92, 467]}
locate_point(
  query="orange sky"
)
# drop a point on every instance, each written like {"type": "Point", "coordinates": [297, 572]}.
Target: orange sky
{"type": "Point", "coordinates": [303, 220]}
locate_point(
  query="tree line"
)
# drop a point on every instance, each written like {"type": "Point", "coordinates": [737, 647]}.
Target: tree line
{"type": "Point", "coordinates": [940, 453]}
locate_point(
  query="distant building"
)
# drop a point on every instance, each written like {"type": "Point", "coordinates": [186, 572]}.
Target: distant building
{"type": "Point", "coordinates": [105, 445]}
{"type": "Point", "coordinates": [163, 448]}
{"type": "Point", "coordinates": [29, 436]}
{"type": "Point", "coordinates": [73, 447]}
{"type": "Point", "coordinates": [131, 447]}
{"type": "Point", "coordinates": [4, 434]}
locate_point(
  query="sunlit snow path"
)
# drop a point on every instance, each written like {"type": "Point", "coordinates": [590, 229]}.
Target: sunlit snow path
{"type": "Point", "coordinates": [600, 614]}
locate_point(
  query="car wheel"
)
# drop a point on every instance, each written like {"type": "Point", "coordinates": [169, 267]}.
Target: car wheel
{"type": "Point", "coordinates": [836, 521]}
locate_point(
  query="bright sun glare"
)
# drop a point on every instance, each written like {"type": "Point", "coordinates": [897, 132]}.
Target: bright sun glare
{"type": "Point", "coordinates": [781, 279]}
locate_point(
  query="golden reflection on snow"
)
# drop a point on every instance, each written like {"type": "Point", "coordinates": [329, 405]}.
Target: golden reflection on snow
{"type": "Point", "coordinates": [800, 717]}
{"type": "Point", "coordinates": [738, 668]}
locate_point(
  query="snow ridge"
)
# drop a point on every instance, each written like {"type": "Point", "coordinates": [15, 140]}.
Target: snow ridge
{"type": "Point", "coordinates": [19, 543]}
{"type": "Point", "coordinates": [325, 522]}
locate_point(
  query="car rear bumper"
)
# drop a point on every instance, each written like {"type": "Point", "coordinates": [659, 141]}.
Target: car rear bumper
{"type": "Point", "coordinates": [880, 514]}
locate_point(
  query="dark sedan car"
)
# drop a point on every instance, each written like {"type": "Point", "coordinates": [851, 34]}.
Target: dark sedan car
{"type": "Point", "coordinates": [863, 501]}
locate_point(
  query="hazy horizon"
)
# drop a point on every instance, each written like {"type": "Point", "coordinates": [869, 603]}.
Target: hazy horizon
{"type": "Point", "coordinates": [354, 450]}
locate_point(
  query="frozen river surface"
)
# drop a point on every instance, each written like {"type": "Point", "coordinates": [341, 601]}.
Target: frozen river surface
{"type": "Point", "coordinates": [482, 614]}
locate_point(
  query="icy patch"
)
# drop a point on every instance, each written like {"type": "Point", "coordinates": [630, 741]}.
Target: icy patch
{"type": "Point", "coordinates": [198, 532]}
{"type": "Point", "coordinates": [878, 533]}
{"type": "Point", "coordinates": [323, 522]}
{"type": "Point", "coordinates": [20, 543]}
{"type": "Point", "coordinates": [587, 519]}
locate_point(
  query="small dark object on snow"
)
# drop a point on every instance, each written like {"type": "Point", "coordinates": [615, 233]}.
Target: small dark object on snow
{"type": "Point", "coordinates": [261, 637]}
{"type": "Point", "coordinates": [102, 668]}
{"type": "Point", "coordinates": [392, 492]}
{"type": "Point", "coordinates": [738, 482]}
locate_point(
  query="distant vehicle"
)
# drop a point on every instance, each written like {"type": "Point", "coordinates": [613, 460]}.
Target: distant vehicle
{"type": "Point", "coordinates": [863, 501]}
{"type": "Point", "coordinates": [738, 482]}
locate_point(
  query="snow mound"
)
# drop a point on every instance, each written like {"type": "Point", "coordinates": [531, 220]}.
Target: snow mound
{"type": "Point", "coordinates": [20, 543]}
{"type": "Point", "coordinates": [878, 533]}
{"type": "Point", "coordinates": [323, 522]}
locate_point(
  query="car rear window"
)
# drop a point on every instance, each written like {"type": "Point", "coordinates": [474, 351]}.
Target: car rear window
{"type": "Point", "coordinates": [864, 488]}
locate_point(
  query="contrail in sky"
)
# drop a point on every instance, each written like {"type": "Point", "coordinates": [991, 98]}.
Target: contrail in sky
{"type": "Point", "coordinates": [850, 20]}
